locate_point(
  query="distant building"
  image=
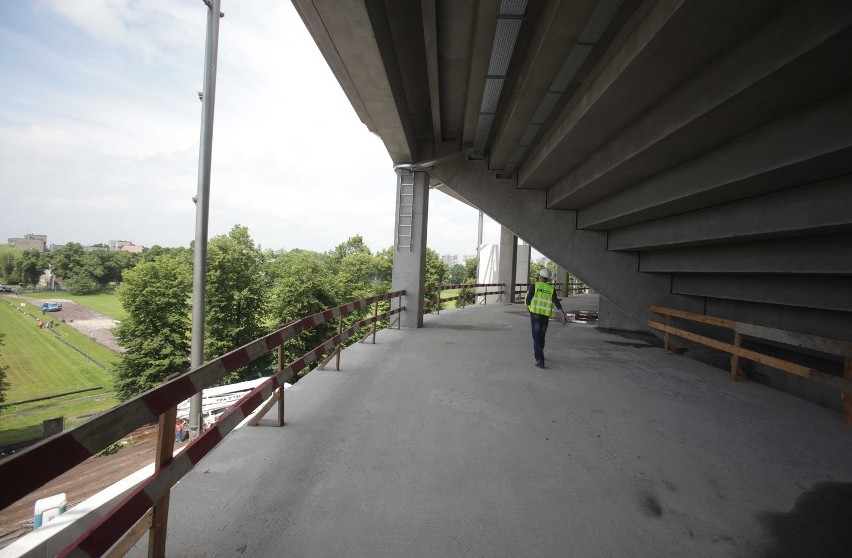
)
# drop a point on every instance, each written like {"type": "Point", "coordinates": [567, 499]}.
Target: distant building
{"type": "Point", "coordinates": [30, 242]}
{"type": "Point", "coordinates": [55, 247]}
{"type": "Point", "coordinates": [124, 246]}
{"type": "Point", "coordinates": [450, 259]}
{"type": "Point", "coordinates": [468, 257]}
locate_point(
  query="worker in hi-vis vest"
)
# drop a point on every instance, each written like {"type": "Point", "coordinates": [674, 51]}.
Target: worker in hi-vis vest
{"type": "Point", "coordinates": [541, 298]}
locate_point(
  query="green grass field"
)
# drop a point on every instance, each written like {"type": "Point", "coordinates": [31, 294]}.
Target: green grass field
{"type": "Point", "coordinates": [106, 303]}
{"type": "Point", "coordinates": [39, 365]}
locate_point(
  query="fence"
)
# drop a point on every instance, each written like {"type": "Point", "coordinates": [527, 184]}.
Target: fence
{"type": "Point", "coordinates": [146, 507]}
{"type": "Point", "coordinates": [465, 296]}
{"type": "Point", "coordinates": [792, 338]}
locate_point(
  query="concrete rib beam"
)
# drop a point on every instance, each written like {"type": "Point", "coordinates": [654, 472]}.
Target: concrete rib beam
{"type": "Point", "coordinates": [811, 255]}
{"type": "Point", "coordinates": [809, 291]}
{"type": "Point", "coordinates": [812, 144]}
{"type": "Point", "coordinates": [821, 207]}
{"type": "Point", "coordinates": [636, 70]}
{"type": "Point", "coordinates": [796, 57]}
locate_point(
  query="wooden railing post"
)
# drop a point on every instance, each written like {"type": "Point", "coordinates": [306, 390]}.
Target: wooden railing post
{"type": "Point", "coordinates": [399, 316]}
{"type": "Point", "coordinates": [160, 517]}
{"type": "Point", "coordinates": [375, 315]}
{"type": "Point", "coordinates": [735, 357]}
{"type": "Point", "coordinates": [337, 349]}
{"type": "Point", "coordinates": [281, 389]}
{"type": "Point", "coordinates": [666, 338]}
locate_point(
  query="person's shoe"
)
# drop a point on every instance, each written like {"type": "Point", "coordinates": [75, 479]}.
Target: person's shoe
{"type": "Point", "coordinates": [539, 365]}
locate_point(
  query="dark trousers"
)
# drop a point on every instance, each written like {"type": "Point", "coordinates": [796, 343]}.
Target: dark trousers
{"type": "Point", "coordinates": [539, 330]}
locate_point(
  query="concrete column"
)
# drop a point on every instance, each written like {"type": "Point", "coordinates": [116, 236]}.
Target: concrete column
{"type": "Point", "coordinates": [562, 277]}
{"type": "Point", "coordinates": [409, 257]}
{"type": "Point", "coordinates": [522, 265]}
{"type": "Point", "coordinates": [506, 269]}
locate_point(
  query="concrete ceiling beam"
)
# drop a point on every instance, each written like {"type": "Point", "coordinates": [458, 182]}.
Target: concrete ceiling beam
{"type": "Point", "coordinates": [810, 255]}
{"type": "Point", "coordinates": [810, 145]}
{"type": "Point", "coordinates": [557, 31]}
{"type": "Point", "coordinates": [809, 291]}
{"type": "Point", "coordinates": [661, 44]}
{"type": "Point", "coordinates": [797, 56]}
{"type": "Point", "coordinates": [819, 208]}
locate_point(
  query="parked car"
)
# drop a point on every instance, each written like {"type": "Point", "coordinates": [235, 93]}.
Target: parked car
{"type": "Point", "coordinates": [51, 307]}
{"type": "Point", "coordinates": [5, 289]}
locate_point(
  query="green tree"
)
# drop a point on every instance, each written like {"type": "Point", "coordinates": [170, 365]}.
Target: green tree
{"type": "Point", "coordinates": [436, 274]}
{"type": "Point", "coordinates": [31, 266]}
{"type": "Point", "coordinates": [236, 298]}
{"type": "Point", "coordinates": [300, 288]}
{"type": "Point", "coordinates": [470, 270]}
{"type": "Point", "coordinates": [156, 331]}
{"type": "Point", "coordinates": [10, 258]}
{"type": "Point", "coordinates": [457, 274]}
{"type": "Point", "coordinates": [352, 245]}
{"type": "Point", "coordinates": [68, 259]}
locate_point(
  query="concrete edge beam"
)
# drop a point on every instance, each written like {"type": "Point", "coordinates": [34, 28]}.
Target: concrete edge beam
{"type": "Point", "coordinates": [823, 206]}
{"type": "Point", "coordinates": [812, 144]}
{"type": "Point", "coordinates": [812, 255]}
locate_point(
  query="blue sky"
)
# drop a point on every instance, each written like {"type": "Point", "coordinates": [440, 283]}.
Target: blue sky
{"type": "Point", "coordinates": [100, 120]}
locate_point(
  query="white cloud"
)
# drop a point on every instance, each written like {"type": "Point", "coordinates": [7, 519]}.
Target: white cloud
{"type": "Point", "coordinates": [99, 131]}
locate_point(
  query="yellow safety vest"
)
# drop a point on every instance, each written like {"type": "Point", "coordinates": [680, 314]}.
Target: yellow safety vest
{"type": "Point", "coordinates": [542, 302]}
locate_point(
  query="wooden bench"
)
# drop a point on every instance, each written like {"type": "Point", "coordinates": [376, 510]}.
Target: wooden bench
{"type": "Point", "coordinates": [792, 338]}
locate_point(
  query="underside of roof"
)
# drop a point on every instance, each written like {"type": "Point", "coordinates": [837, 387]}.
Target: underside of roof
{"type": "Point", "coordinates": [674, 150]}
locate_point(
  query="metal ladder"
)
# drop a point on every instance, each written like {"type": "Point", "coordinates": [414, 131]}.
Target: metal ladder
{"type": "Point", "coordinates": [405, 211]}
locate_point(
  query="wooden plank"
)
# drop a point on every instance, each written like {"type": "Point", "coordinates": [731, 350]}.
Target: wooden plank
{"type": "Point", "coordinates": [827, 380]}
{"type": "Point", "coordinates": [712, 320]}
{"type": "Point", "coordinates": [160, 516]}
{"type": "Point", "coordinates": [796, 339]}
{"type": "Point", "coordinates": [735, 358]}
{"type": "Point", "coordinates": [123, 546]}
{"type": "Point", "coordinates": [253, 421]}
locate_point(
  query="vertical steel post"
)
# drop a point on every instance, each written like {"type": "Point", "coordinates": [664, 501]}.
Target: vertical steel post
{"type": "Point", "coordinates": [202, 210]}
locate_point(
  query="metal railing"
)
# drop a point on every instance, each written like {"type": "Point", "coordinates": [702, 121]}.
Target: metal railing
{"type": "Point", "coordinates": [146, 507]}
{"type": "Point", "coordinates": [826, 345]}
{"type": "Point", "coordinates": [467, 295]}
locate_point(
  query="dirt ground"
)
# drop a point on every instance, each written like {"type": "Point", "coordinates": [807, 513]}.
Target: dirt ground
{"type": "Point", "coordinates": [81, 482]}
{"type": "Point", "coordinates": [85, 320]}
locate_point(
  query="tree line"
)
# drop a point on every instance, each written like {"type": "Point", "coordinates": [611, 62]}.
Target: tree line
{"type": "Point", "coordinates": [249, 292]}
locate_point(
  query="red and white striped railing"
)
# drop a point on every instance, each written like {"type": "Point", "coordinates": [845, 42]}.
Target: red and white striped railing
{"type": "Point", "coordinates": [32, 468]}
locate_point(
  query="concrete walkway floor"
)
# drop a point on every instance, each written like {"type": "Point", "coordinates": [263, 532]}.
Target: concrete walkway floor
{"type": "Point", "coordinates": [447, 441]}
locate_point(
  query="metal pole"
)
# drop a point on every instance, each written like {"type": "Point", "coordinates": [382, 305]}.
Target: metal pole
{"type": "Point", "coordinates": [199, 279]}
{"type": "Point", "coordinates": [478, 247]}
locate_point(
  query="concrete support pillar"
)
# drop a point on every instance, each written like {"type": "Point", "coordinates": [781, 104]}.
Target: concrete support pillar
{"type": "Point", "coordinates": [506, 269]}
{"type": "Point", "coordinates": [409, 257]}
{"type": "Point", "coordinates": [522, 266]}
{"type": "Point", "coordinates": [562, 277]}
